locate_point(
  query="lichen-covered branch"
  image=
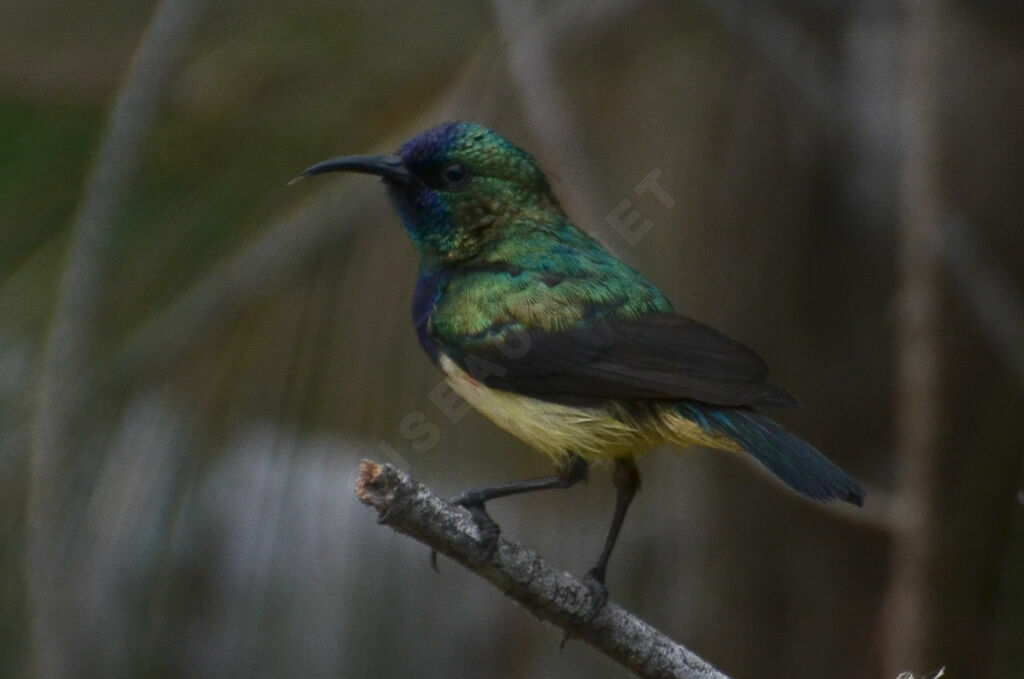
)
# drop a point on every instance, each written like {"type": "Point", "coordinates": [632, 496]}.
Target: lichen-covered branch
{"type": "Point", "coordinates": [548, 593]}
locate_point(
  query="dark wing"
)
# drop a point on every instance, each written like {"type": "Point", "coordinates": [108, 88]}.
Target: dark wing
{"type": "Point", "coordinates": [658, 357]}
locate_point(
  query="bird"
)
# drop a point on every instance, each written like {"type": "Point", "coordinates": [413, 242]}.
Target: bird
{"type": "Point", "coordinates": [562, 344]}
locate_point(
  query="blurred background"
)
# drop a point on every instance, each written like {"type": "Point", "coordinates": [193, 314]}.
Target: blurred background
{"type": "Point", "coordinates": [194, 355]}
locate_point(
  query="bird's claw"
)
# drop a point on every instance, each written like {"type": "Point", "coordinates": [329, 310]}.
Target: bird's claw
{"type": "Point", "coordinates": [594, 581]}
{"type": "Point", "coordinates": [487, 529]}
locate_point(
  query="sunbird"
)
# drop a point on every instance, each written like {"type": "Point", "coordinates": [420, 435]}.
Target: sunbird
{"type": "Point", "coordinates": [561, 343]}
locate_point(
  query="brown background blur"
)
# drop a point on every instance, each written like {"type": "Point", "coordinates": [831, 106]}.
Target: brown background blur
{"type": "Point", "coordinates": [187, 385]}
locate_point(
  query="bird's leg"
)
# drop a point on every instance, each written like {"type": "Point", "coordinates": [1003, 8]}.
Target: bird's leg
{"type": "Point", "coordinates": [473, 500]}
{"type": "Point", "coordinates": [627, 481]}
{"type": "Point", "coordinates": [573, 472]}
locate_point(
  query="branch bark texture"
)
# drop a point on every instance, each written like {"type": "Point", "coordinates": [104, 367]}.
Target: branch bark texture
{"type": "Point", "coordinates": [548, 593]}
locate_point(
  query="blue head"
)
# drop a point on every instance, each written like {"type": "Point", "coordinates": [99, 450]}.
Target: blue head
{"type": "Point", "coordinates": [457, 187]}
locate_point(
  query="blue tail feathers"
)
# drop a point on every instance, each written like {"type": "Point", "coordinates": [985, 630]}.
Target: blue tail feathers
{"type": "Point", "coordinates": [796, 463]}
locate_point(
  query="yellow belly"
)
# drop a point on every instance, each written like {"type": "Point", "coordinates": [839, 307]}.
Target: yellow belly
{"type": "Point", "coordinates": [596, 433]}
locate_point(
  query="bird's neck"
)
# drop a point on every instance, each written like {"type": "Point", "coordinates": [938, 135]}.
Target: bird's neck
{"type": "Point", "coordinates": [451, 230]}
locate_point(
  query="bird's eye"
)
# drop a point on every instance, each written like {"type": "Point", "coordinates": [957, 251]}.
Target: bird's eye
{"type": "Point", "coordinates": [454, 173]}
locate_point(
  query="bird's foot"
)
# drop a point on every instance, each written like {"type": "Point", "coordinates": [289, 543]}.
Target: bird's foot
{"type": "Point", "coordinates": [594, 580]}
{"type": "Point", "coordinates": [487, 529]}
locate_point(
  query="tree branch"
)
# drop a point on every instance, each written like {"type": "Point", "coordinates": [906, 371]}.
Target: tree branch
{"type": "Point", "coordinates": [549, 594]}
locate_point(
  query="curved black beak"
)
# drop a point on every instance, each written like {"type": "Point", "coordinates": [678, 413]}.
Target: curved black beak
{"type": "Point", "coordinates": [389, 167]}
